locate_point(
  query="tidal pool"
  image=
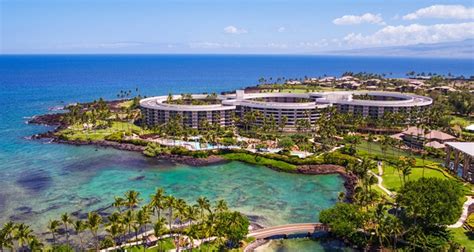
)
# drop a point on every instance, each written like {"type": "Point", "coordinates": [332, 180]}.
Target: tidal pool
{"type": "Point", "coordinates": [303, 245]}
{"type": "Point", "coordinates": [87, 179]}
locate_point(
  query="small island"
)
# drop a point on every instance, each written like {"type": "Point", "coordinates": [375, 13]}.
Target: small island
{"type": "Point", "coordinates": [386, 136]}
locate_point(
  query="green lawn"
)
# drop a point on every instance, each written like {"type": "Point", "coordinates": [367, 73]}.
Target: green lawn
{"type": "Point", "coordinates": [463, 237]}
{"type": "Point", "coordinates": [391, 176]}
{"type": "Point", "coordinates": [392, 180]}
{"type": "Point", "coordinates": [126, 104]}
{"type": "Point", "coordinates": [77, 132]}
{"type": "Point", "coordinates": [258, 160]}
{"type": "Point", "coordinates": [374, 151]}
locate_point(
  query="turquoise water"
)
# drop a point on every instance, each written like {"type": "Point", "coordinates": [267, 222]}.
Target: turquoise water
{"type": "Point", "coordinates": [40, 180]}
{"type": "Point", "coordinates": [303, 245]}
{"type": "Point", "coordinates": [268, 197]}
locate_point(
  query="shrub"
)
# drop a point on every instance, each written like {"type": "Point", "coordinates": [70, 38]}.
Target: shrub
{"type": "Point", "coordinates": [227, 141]}
{"type": "Point", "coordinates": [338, 159]}
{"type": "Point", "coordinates": [348, 149]}
{"type": "Point", "coordinates": [116, 136]}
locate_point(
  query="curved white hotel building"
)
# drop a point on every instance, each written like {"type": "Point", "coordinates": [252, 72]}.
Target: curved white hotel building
{"type": "Point", "coordinates": [157, 110]}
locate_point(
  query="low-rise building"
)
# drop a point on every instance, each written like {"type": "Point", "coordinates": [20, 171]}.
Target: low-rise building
{"type": "Point", "coordinates": [418, 138]}
{"type": "Point", "coordinates": [460, 159]}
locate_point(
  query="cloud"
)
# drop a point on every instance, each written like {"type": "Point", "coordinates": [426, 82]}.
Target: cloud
{"type": "Point", "coordinates": [442, 11]}
{"type": "Point", "coordinates": [213, 45]}
{"type": "Point", "coordinates": [281, 29]}
{"type": "Point", "coordinates": [234, 30]}
{"type": "Point", "coordinates": [413, 34]}
{"type": "Point", "coordinates": [353, 20]}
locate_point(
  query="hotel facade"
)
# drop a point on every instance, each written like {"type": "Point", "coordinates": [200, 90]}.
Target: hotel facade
{"type": "Point", "coordinates": [277, 106]}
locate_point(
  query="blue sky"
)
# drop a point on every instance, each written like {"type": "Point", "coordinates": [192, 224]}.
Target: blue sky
{"type": "Point", "coordinates": [227, 26]}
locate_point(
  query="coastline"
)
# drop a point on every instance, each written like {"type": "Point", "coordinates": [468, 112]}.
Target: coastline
{"type": "Point", "coordinates": [55, 120]}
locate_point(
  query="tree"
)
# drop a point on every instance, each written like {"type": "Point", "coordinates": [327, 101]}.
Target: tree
{"type": "Point", "coordinates": [157, 201]}
{"type": "Point", "coordinates": [286, 143]}
{"type": "Point", "coordinates": [6, 235]}
{"type": "Point", "coordinates": [113, 229]}
{"type": "Point", "coordinates": [344, 220]}
{"type": "Point", "coordinates": [143, 217]}
{"type": "Point", "coordinates": [129, 220]}
{"type": "Point", "coordinates": [53, 226]}
{"type": "Point", "coordinates": [118, 203]}
{"type": "Point", "coordinates": [221, 206]}
{"type": "Point", "coordinates": [22, 234]}
{"type": "Point", "coordinates": [170, 204]}
{"type": "Point", "coordinates": [159, 230]}
{"type": "Point", "coordinates": [66, 220]}
{"type": "Point", "coordinates": [326, 128]}
{"type": "Point", "coordinates": [462, 102]}
{"type": "Point", "coordinates": [132, 198]}
{"type": "Point", "coordinates": [234, 226]}
{"type": "Point", "coordinates": [282, 123]}
{"type": "Point", "coordinates": [34, 244]}
{"type": "Point", "coordinates": [93, 222]}
{"type": "Point", "coordinates": [79, 227]}
{"type": "Point", "coordinates": [404, 166]}
{"type": "Point", "coordinates": [385, 141]}
{"type": "Point", "coordinates": [431, 201]}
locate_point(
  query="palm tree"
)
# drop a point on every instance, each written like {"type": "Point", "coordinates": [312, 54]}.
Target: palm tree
{"type": "Point", "coordinates": [181, 209]}
{"type": "Point", "coordinates": [157, 201]}
{"type": "Point", "coordinates": [170, 203]}
{"type": "Point", "coordinates": [22, 234]}
{"type": "Point", "coordinates": [34, 244]}
{"type": "Point", "coordinates": [114, 229]}
{"type": "Point", "coordinates": [79, 227]}
{"type": "Point", "coordinates": [93, 222]}
{"type": "Point", "coordinates": [118, 203]}
{"type": "Point", "coordinates": [159, 229]}
{"type": "Point", "coordinates": [132, 199]}
{"type": "Point", "coordinates": [66, 219]}
{"type": "Point", "coordinates": [384, 143]}
{"type": "Point", "coordinates": [53, 226]}
{"type": "Point", "coordinates": [203, 204]}
{"type": "Point", "coordinates": [221, 206]}
{"type": "Point", "coordinates": [6, 235]}
{"type": "Point", "coordinates": [143, 217]}
{"type": "Point", "coordinates": [129, 220]}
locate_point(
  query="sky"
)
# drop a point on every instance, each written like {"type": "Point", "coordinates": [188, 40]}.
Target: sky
{"type": "Point", "coordinates": [227, 26]}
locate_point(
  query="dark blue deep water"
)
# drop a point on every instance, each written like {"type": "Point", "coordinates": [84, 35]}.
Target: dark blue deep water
{"type": "Point", "coordinates": [39, 181]}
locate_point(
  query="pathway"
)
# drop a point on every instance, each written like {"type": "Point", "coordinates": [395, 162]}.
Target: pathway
{"type": "Point", "coordinates": [287, 229]}
{"type": "Point", "coordinates": [465, 207]}
{"type": "Point", "coordinates": [380, 180]}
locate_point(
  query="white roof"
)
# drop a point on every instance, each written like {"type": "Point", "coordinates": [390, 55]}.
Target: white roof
{"type": "Point", "coordinates": [470, 127]}
{"type": "Point", "coordinates": [466, 147]}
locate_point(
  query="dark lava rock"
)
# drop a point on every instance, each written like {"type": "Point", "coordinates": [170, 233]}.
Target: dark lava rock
{"type": "Point", "coordinates": [139, 178]}
{"type": "Point", "coordinates": [35, 181]}
{"type": "Point", "coordinates": [24, 209]}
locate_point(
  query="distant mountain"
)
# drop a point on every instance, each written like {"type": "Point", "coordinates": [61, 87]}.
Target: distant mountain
{"type": "Point", "coordinates": [458, 49]}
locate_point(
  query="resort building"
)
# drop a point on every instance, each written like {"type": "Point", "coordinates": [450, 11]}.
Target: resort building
{"type": "Point", "coordinates": [160, 109]}
{"type": "Point", "coordinates": [281, 108]}
{"type": "Point", "coordinates": [463, 163]}
{"type": "Point", "coordinates": [419, 138]}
